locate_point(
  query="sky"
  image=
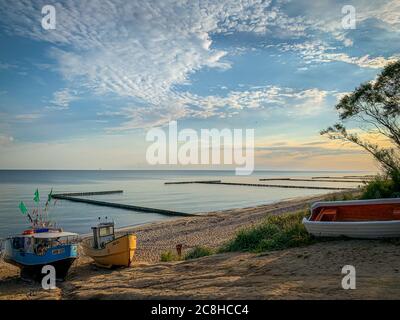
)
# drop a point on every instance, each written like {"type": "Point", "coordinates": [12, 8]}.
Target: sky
{"type": "Point", "coordinates": [83, 96]}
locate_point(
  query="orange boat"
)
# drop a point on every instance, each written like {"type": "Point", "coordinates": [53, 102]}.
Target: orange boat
{"type": "Point", "coordinates": [376, 218]}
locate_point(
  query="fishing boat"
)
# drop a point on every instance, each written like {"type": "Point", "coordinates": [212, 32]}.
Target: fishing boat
{"type": "Point", "coordinates": [370, 219]}
{"type": "Point", "coordinates": [36, 248]}
{"type": "Point", "coordinates": [107, 249]}
{"type": "Point", "coordinates": [40, 245]}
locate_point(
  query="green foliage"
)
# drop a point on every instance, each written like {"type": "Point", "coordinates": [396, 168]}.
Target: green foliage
{"type": "Point", "coordinates": [383, 187]}
{"type": "Point", "coordinates": [169, 256]}
{"type": "Point", "coordinates": [375, 106]}
{"type": "Point", "coordinates": [275, 233]}
{"type": "Point", "coordinates": [198, 252]}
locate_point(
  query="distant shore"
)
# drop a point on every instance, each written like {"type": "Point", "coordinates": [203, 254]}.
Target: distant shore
{"type": "Point", "coordinates": [310, 272]}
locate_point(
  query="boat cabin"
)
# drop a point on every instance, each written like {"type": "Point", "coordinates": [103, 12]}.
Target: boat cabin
{"type": "Point", "coordinates": [102, 234]}
{"type": "Point", "coordinates": [39, 243]}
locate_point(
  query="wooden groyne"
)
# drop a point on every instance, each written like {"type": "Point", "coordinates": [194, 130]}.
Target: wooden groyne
{"type": "Point", "coordinates": [82, 194]}
{"type": "Point", "coordinates": [74, 197]}
{"type": "Point", "coordinates": [187, 182]}
{"type": "Point", "coordinates": [310, 180]}
{"type": "Point", "coordinates": [346, 177]}
{"type": "Point", "coordinates": [281, 186]}
{"type": "Point", "coordinates": [272, 185]}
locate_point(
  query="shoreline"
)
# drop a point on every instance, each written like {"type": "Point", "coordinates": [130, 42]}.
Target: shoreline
{"type": "Point", "coordinates": [133, 227]}
{"type": "Point", "coordinates": [210, 229]}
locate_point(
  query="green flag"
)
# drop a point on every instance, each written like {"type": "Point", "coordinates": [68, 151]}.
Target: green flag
{"type": "Point", "coordinates": [36, 198]}
{"type": "Point", "coordinates": [49, 196]}
{"type": "Point", "coordinates": [22, 207]}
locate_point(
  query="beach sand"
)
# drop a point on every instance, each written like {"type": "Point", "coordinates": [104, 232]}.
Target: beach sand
{"type": "Point", "coordinates": [312, 272]}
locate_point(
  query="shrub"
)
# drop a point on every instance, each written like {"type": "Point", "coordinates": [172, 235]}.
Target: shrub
{"type": "Point", "coordinates": [198, 252]}
{"type": "Point", "coordinates": [275, 233]}
{"type": "Point", "coordinates": [383, 187]}
{"type": "Point", "coordinates": [169, 256]}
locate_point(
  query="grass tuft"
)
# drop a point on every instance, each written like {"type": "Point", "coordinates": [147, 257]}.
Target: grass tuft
{"type": "Point", "coordinates": [198, 252]}
{"type": "Point", "coordinates": [169, 256]}
{"type": "Point", "coordinates": [275, 233]}
{"type": "Point", "coordinates": [343, 196]}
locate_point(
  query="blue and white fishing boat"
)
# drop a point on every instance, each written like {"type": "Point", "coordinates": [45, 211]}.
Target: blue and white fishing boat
{"type": "Point", "coordinates": [35, 248]}
{"type": "Point", "coordinates": [40, 245]}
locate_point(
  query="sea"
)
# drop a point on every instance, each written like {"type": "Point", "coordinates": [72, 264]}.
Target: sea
{"type": "Point", "coordinates": [142, 188]}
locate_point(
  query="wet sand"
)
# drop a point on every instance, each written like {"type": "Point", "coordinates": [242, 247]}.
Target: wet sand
{"type": "Point", "coordinates": [312, 272]}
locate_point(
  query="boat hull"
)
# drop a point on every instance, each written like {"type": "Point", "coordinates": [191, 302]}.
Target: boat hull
{"type": "Point", "coordinates": [34, 272]}
{"type": "Point", "coordinates": [354, 229]}
{"type": "Point", "coordinates": [30, 264]}
{"type": "Point", "coordinates": [118, 252]}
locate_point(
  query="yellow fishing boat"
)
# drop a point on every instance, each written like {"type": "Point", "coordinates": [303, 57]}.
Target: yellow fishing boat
{"type": "Point", "coordinates": [106, 249]}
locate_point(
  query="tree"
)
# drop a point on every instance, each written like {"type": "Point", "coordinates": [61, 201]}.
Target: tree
{"type": "Point", "coordinates": [375, 106]}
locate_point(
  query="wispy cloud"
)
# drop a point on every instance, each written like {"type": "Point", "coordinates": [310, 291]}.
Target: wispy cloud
{"type": "Point", "coordinates": [28, 117]}
{"type": "Point", "coordinates": [7, 66]}
{"type": "Point", "coordinates": [326, 17]}
{"type": "Point", "coordinates": [319, 52]}
{"type": "Point", "coordinates": [63, 98]}
{"type": "Point", "coordinates": [274, 100]}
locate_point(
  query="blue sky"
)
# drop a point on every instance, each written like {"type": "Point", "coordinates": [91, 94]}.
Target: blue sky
{"type": "Point", "coordinates": [84, 94]}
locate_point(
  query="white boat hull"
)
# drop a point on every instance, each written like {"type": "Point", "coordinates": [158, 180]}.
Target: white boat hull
{"type": "Point", "coordinates": [354, 229]}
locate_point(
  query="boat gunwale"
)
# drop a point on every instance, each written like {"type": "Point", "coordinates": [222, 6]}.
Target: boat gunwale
{"type": "Point", "coordinates": [306, 220]}
{"type": "Point", "coordinates": [366, 202]}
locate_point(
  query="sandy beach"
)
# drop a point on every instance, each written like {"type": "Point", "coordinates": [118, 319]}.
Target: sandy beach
{"type": "Point", "coordinates": [312, 272]}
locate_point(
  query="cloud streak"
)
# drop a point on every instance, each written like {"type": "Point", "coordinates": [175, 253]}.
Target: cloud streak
{"type": "Point", "coordinates": [319, 52]}
{"type": "Point", "coordinates": [273, 100]}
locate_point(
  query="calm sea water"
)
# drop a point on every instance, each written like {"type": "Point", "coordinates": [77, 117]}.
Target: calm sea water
{"type": "Point", "coordinates": [142, 188]}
